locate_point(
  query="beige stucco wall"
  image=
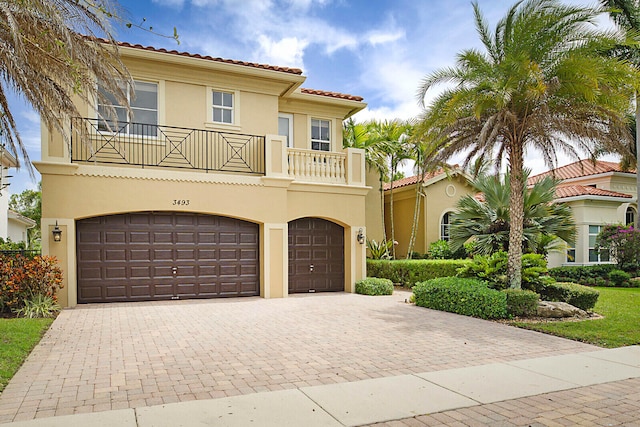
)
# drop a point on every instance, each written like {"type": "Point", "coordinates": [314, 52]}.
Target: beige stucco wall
{"type": "Point", "coordinates": [72, 191]}
{"type": "Point", "coordinates": [373, 213]}
{"type": "Point", "coordinates": [439, 198]}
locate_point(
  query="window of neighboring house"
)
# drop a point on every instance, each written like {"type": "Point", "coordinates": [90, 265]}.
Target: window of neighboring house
{"type": "Point", "coordinates": [320, 135]}
{"type": "Point", "coordinates": [595, 255]}
{"type": "Point", "coordinates": [445, 224]}
{"type": "Point", "coordinates": [285, 127]}
{"type": "Point", "coordinates": [222, 107]}
{"type": "Point", "coordinates": [143, 120]}
{"type": "Point", "coordinates": [571, 254]}
{"type": "Point", "coordinates": [630, 216]}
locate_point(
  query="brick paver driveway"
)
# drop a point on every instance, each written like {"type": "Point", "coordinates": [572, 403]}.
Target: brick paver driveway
{"type": "Point", "coordinates": [112, 356]}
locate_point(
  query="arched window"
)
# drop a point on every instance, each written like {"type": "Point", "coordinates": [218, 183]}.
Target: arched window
{"type": "Point", "coordinates": [445, 223]}
{"type": "Point", "coordinates": [630, 217]}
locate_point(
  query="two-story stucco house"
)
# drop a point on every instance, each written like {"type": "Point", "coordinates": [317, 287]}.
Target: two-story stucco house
{"type": "Point", "coordinates": [228, 179]}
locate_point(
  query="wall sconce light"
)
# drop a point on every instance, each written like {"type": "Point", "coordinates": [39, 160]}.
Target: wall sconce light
{"type": "Point", "coordinates": [360, 237]}
{"type": "Point", "coordinates": [57, 233]}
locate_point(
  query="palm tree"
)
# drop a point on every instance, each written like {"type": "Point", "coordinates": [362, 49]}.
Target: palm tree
{"type": "Point", "coordinates": [542, 85]}
{"type": "Point", "coordinates": [626, 14]}
{"type": "Point", "coordinates": [50, 54]}
{"type": "Point", "coordinates": [393, 137]}
{"type": "Point", "coordinates": [485, 218]}
{"type": "Point", "coordinates": [359, 135]}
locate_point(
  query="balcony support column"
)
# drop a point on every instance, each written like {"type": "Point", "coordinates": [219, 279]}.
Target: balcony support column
{"type": "Point", "coordinates": [355, 167]}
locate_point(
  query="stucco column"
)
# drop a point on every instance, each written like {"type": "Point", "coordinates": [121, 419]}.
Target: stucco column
{"type": "Point", "coordinates": [355, 257]}
{"type": "Point", "coordinates": [355, 167]}
{"type": "Point", "coordinates": [64, 251]}
{"type": "Point", "coordinates": [276, 165]}
{"type": "Point", "coordinates": [274, 261]}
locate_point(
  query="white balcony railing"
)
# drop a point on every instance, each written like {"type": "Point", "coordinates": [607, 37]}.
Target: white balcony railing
{"type": "Point", "coordinates": [317, 166]}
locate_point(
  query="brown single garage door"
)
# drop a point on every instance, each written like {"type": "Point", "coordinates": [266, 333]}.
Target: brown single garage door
{"type": "Point", "coordinates": [165, 255]}
{"type": "Point", "coordinates": [316, 256]}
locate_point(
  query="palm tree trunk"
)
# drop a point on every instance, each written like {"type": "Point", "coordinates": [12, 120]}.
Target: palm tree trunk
{"type": "Point", "coordinates": [516, 215]}
{"type": "Point", "coordinates": [384, 228]}
{"type": "Point", "coordinates": [637, 222]}
{"type": "Point", "coordinates": [416, 214]}
{"type": "Point", "coordinates": [393, 229]}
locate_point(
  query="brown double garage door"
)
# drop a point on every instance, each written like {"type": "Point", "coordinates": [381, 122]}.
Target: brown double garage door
{"type": "Point", "coordinates": [173, 255]}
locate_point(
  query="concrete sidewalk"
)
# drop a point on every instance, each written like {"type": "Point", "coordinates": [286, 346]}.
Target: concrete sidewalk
{"type": "Point", "coordinates": [399, 397]}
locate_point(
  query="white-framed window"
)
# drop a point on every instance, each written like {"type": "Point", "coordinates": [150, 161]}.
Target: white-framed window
{"type": "Point", "coordinates": [630, 216]}
{"type": "Point", "coordinates": [595, 255]}
{"type": "Point", "coordinates": [571, 254]}
{"type": "Point", "coordinates": [285, 127]}
{"type": "Point", "coordinates": [143, 119]}
{"type": "Point", "coordinates": [445, 225]}
{"type": "Point", "coordinates": [321, 134]}
{"type": "Point", "coordinates": [222, 106]}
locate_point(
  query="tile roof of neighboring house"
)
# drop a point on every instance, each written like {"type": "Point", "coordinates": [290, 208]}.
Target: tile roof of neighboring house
{"type": "Point", "coordinates": [565, 191]}
{"type": "Point", "coordinates": [414, 179]}
{"type": "Point", "coordinates": [296, 71]}
{"type": "Point", "coordinates": [579, 169]}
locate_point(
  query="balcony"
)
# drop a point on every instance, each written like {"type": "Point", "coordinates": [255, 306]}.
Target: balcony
{"type": "Point", "coordinates": [154, 146]}
{"type": "Point", "coordinates": [146, 145]}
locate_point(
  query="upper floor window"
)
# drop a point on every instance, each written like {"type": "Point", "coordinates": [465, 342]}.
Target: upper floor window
{"type": "Point", "coordinates": [445, 224]}
{"type": "Point", "coordinates": [143, 119]}
{"type": "Point", "coordinates": [320, 135]}
{"type": "Point", "coordinates": [594, 254]}
{"type": "Point", "coordinates": [285, 127]}
{"type": "Point", "coordinates": [222, 107]}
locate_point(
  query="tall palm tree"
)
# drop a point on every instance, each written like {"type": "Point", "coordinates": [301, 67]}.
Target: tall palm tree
{"type": "Point", "coordinates": [485, 218]}
{"type": "Point", "coordinates": [540, 84]}
{"type": "Point", "coordinates": [359, 135]}
{"type": "Point", "coordinates": [49, 54]}
{"type": "Point", "coordinates": [626, 14]}
{"type": "Point", "coordinates": [393, 136]}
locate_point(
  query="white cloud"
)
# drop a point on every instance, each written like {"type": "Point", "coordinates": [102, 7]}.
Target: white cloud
{"type": "Point", "coordinates": [169, 3]}
{"type": "Point", "coordinates": [377, 37]}
{"type": "Point", "coordinates": [288, 51]}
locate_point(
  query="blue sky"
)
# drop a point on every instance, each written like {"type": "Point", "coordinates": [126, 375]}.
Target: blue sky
{"type": "Point", "coordinates": [377, 49]}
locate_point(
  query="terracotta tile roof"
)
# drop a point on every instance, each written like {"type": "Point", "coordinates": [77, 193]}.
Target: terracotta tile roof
{"type": "Point", "coordinates": [565, 191]}
{"type": "Point", "coordinates": [579, 169]}
{"type": "Point", "coordinates": [332, 95]}
{"type": "Point", "coordinates": [414, 179]}
{"type": "Point", "coordinates": [296, 71]}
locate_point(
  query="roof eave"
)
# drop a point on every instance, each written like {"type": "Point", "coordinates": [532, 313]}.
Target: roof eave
{"type": "Point", "coordinates": [594, 197]}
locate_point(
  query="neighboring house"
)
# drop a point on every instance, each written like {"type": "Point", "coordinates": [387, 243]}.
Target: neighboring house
{"type": "Point", "coordinates": [598, 194]}
{"type": "Point", "coordinates": [228, 180]}
{"type": "Point", "coordinates": [17, 226]}
{"type": "Point", "coordinates": [439, 195]}
{"type": "Point", "coordinates": [10, 226]}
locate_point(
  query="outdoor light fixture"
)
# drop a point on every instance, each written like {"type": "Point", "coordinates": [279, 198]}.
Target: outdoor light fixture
{"type": "Point", "coordinates": [360, 237]}
{"type": "Point", "coordinates": [57, 233]}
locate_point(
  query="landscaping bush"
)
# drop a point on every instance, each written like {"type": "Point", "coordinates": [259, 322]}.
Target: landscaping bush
{"type": "Point", "coordinates": [22, 278]}
{"type": "Point", "coordinates": [577, 295]}
{"type": "Point", "coordinates": [588, 275]}
{"type": "Point", "coordinates": [493, 269]}
{"type": "Point", "coordinates": [521, 302]}
{"type": "Point", "coordinates": [623, 242]}
{"type": "Point", "coordinates": [374, 286]}
{"type": "Point", "coordinates": [410, 272]}
{"type": "Point", "coordinates": [39, 307]}
{"type": "Point", "coordinates": [470, 297]}
{"type": "Point", "coordinates": [635, 282]}
{"type": "Point", "coordinates": [619, 278]}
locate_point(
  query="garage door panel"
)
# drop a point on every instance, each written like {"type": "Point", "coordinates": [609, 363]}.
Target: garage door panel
{"type": "Point", "coordinates": [318, 243]}
{"type": "Point", "coordinates": [132, 256]}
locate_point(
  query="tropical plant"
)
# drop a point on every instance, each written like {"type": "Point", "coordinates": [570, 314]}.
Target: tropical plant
{"type": "Point", "coordinates": [485, 218]}
{"type": "Point", "coordinates": [359, 135]}
{"type": "Point", "coordinates": [626, 14]}
{"type": "Point", "coordinates": [623, 242]}
{"type": "Point", "coordinates": [52, 52]}
{"type": "Point", "coordinates": [39, 306]}
{"type": "Point", "coordinates": [380, 250]}
{"type": "Point", "coordinates": [541, 84]}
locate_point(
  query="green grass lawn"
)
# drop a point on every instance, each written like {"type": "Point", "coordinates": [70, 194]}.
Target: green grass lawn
{"type": "Point", "coordinates": [620, 326]}
{"type": "Point", "coordinates": [17, 339]}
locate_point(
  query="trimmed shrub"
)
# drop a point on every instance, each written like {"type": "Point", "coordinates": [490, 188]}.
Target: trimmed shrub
{"type": "Point", "coordinates": [411, 271]}
{"type": "Point", "coordinates": [521, 302]}
{"type": "Point", "coordinates": [589, 275]}
{"type": "Point", "coordinates": [577, 295]}
{"type": "Point", "coordinates": [619, 278]}
{"type": "Point", "coordinates": [470, 297]}
{"type": "Point", "coordinates": [374, 286]}
{"type": "Point", "coordinates": [634, 282]}
{"type": "Point", "coordinates": [493, 269]}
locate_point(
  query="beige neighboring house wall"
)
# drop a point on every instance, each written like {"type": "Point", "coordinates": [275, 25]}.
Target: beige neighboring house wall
{"type": "Point", "coordinates": [598, 194]}
{"type": "Point", "coordinates": [297, 182]}
{"type": "Point", "coordinates": [17, 226]}
{"type": "Point", "coordinates": [7, 161]}
{"type": "Point", "coordinates": [440, 194]}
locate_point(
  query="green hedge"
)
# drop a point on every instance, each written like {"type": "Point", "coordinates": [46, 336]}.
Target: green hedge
{"type": "Point", "coordinates": [374, 286]}
{"type": "Point", "coordinates": [410, 272]}
{"type": "Point", "coordinates": [521, 302]}
{"type": "Point", "coordinates": [589, 275]}
{"type": "Point", "coordinates": [470, 297]}
{"type": "Point", "coordinates": [577, 295]}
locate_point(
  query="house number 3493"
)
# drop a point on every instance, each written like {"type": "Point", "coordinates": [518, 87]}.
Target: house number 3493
{"type": "Point", "coordinates": [180, 202]}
